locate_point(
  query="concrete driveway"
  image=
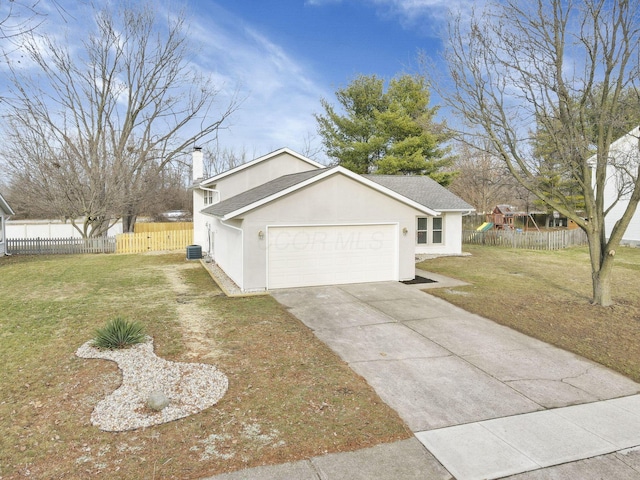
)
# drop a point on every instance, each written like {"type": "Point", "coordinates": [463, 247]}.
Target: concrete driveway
{"type": "Point", "coordinates": [486, 401]}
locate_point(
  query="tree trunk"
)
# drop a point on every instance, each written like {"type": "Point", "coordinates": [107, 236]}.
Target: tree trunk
{"type": "Point", "coordinates": [601, 282]}
{"type": "Point", "coordinates": [128, 223]}
{"type": "Point", "coordinates": [601, 267]}
{"type": "Point", "coordinates": [99, 226]}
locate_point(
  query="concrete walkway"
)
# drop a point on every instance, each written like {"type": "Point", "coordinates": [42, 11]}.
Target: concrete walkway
{"type": "Point", "coordinates": [486, 401]}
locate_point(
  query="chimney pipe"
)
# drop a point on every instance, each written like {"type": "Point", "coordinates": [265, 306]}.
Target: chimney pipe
{"type": "Point", "coordinates": [197, 163]}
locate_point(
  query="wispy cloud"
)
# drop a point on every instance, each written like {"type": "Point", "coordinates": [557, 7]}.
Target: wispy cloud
{"type": "Point", "coordinates": [412, 14]}
{"type": "Point", "coordinates": [280, 92]}
{"type": "Point", "coordinates": [315, 3]}
{"type": "Point", "coordinates": [428, 16]}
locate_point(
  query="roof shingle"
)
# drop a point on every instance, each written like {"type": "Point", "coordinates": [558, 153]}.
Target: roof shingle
{"type": "Point", "coordinates": [423, 190]}
{"type": "Point", "coordinates": [260, 192]}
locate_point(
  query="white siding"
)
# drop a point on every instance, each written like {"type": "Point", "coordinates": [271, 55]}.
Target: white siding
{"type": "Point", "coordinates": [235, 183]}
{"type": "Point", "coordinates": [260, 173]}
{"type": "Point", "coordinates": [228, 245]}
{"type": "Point", "coordinates": [200, 229]}
{"type": "Point", "coordinates": [336, 200]}
{"type": "Point", "coordinates": [451, 236]}
{"type": "Point", "coordinates": [3, 244]}
{"type": "Point", "coordinates": [624, 151]}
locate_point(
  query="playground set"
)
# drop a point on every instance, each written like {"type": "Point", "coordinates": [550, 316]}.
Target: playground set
{"type": "Point", "coordinates": [503, 217]}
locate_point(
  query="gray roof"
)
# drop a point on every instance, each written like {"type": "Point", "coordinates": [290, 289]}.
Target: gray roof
{"type": "Point", "coordinates": [423, 190]}
{"type": "Point", "coordinates": [260, 192]}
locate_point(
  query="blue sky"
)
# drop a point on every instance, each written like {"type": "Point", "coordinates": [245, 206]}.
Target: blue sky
{"type": "Point", "coordinates": [288, 54]}
{"type": "Point", "coordinates": [283, 56]}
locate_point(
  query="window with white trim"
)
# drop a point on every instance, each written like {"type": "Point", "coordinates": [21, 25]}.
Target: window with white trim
{"type": "Point", "coordinates": [422, 231]}
{"type": "Point", "coordinates": [430, 231]}
{"type": "Point", "coordinates": [209, 197]}
{"type": "Point", "coordinates": [436, 230]}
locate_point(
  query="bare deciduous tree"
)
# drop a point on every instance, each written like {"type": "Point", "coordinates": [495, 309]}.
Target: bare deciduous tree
{"type": "Point", "coordinates": [563, 66]}
{"type": "Point", "coordinates": [90, 129]}
{"type": "Point", "coordinates": [312, 149]}
{"type": "Point", "coordinates": [18, 18]}
{"type": "Point", "coordinates": [217, 160]}
{"type": "Point", "coordinates": [482, 180]}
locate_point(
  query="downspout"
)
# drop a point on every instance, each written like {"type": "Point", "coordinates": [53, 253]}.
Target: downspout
{"type": "Point", "coordinates": [210, 243]}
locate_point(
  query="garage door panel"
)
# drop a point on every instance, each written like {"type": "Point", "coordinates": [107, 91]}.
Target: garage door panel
{"type": "Point", "coordinates": [324, 255]}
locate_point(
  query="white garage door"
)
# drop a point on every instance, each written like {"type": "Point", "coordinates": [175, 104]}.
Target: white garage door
{"type": "Point", "coordinates": [325, 255]}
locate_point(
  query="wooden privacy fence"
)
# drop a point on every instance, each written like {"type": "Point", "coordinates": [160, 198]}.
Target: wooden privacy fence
{"type": "Point", "coordinates": [553, 240]}
{"type": "Point", "coordinates": [53, 246]}
{"type": "Point", "coordinates": [153, 241]}
{"type": "Point", "coordinates": [162, 227]}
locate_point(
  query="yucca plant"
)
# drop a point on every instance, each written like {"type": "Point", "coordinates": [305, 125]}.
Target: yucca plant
{"type": "Point", "coordinates": [119, 333]}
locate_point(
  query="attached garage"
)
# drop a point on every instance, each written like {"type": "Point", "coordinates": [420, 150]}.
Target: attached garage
{"type": "Point", "coordinates": [319, 227]}
{"type": "Point", "coordinates": [300, 256]}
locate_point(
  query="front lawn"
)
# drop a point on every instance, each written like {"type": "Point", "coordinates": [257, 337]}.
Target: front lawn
{"type": "Point", "coordinates": [289, 396]}
{"type": "Point", "coordinates": [546, 295]}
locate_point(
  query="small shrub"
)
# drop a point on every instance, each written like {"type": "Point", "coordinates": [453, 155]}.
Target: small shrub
{"type": "Point", "coordinates": [119, 333]}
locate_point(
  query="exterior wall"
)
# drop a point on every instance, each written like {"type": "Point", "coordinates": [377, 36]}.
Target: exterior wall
{"type": "Point", "coordinates": [451, 233]}
{"type": "Point", "coordinates": [333, 201]}
{"type": "Point", "coordinates": [200, 221]}
{"type": "Point", "coordinates": [632, 234]}
{"type": "Point", "coordinates": [241, 181]}
{"type": "Point", "coordinates": [260, 173]}
{"type": "Point", "coordinates": [228, 240]}
{"type": "Point", "coordinates": [3, 230]}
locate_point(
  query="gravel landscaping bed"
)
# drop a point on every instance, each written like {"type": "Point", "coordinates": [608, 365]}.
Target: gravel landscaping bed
{"type": "Point", "coordinates": [189, 387]}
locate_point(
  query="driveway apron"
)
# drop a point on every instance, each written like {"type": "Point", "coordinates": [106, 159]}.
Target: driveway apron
{"type": "Point", "coordinates": [485, 400]}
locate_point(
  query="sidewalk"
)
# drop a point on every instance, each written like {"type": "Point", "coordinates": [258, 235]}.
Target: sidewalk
{"type": "Point", "coordinates": [403, 460]}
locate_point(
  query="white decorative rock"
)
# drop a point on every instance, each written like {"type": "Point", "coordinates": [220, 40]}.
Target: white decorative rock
{"type": "Point", "coordinates": [157, 400]}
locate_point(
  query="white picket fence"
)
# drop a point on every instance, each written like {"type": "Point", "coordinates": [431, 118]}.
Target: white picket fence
{"type": "Point", "coordinates": [552, 240]}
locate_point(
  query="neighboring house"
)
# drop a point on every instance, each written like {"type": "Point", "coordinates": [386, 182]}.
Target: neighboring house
{"type": "Point", "coordinates": [283, 220]}
{"type": "Point", "coordinates": [624, 156]}
{"type": "Point", "coordinates": [5, 212]}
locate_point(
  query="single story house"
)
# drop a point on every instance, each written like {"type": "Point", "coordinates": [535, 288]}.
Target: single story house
{"type": "Point", "coordinates": [283, 220]}
{"type": "Point", "coordinates": [5, 212]}
{"type": "Point", "coordinates": [624, 155]}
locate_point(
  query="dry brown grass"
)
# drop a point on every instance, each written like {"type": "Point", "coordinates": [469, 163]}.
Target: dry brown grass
{"type": "Point", "coordinates": [546, 295]}
{"type": "Point", "coordinates": [289, 396]}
